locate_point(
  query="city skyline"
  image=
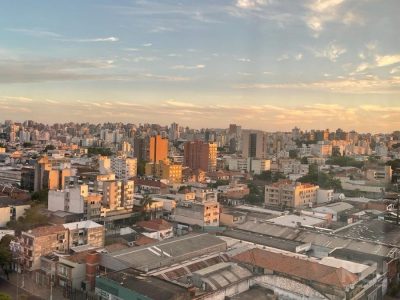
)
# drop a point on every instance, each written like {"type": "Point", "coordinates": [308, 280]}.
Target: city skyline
{"type": "Point", "coordinates": [268, 65]}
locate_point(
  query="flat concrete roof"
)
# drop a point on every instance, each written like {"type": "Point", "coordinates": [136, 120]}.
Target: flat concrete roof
{"type": "Point", "coordinates": [170, 251]}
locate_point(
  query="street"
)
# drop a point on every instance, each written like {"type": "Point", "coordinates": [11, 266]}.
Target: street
{"type": "Point", "coordinates": [10, 289]}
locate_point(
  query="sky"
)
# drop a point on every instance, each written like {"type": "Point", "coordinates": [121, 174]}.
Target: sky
{"type": "Point", "coordinates": [263, 64]}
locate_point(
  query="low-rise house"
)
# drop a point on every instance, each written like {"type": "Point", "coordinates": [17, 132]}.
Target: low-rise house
{"type": "Point", "coordinates": [158, 229]}
{"type": "Point", "coordinates": [336, 209]}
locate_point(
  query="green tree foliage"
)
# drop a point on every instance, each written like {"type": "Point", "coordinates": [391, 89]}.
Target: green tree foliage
{"type": "Point", "coordinates": [5, 296]}
{"type": "Point", "coordinates": [269, 176]}
{"type": "Point", "coordinates": [40, 197]}
{"type": "Point", "coordinates": [395, 164]}
{"type": "Point", "coordinates": [293, 153]}
{"type": "Point", "coordinates": [256, 195]}
{"type": "Point", "coordinates": [92, 151]}
{"type": "Point", "coordinates": [49, 147]}
{"type": "Point", "coordinates": [27, 144]}
{"type": "Point", "coordinates": [32, 218]}
{"type": "Point", "coordinates": [141, 167]}
{"type": "Point", "coordinates": [345, 161]}
{"type": "Point", "coordinates": [5, 254]}
{"type": "Point", "coordinates": [304, 160]}
{"type": "Point", "coordinates": [218, 183]}
{"type": "Point", "coordinates": [322, 179]}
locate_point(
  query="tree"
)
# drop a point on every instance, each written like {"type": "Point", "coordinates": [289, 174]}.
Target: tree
{"type": "Point", "coordinates": [92, 151]}
{"type": "Point", "coordinates": [27, 144]}
{"type": "Point", "coordinates": [4, 296]}
{"type": "Point", "coordinates": [293, 153]}
{"type": "Point", "coordinates": [304, 160]}
{"type": "Point", "coordinates": [41, 196]}
{"type": "Point", "coordinates": [145, 204]}
{"type": "Point", "coordinates": [49, 147]}
{"type": "Point", "coordinates": [32, 218]}
{"type": "Point", "coordinates": [322, 179]}
{"type": "Point", "coordinates": [5, 254]}
{"type": "Point", "coordinates": [344, 161]}
{"type": "Point", "coordinates": [395, 164]}
{"type": "Point", "coordinates": [141, 167]}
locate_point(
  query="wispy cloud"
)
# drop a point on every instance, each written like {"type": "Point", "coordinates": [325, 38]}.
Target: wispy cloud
{"type": "Point", "coordinates": [35, 32]}
{"type": "Point", "coordinates": [251, 4]}
{"type": "Point", "coordinates": [332, 52]}
{"type": "Point", "coordinates": [184, 67]}
{"type": "Point", "coordinates": [243, 59]}
{"type": "Point", "coordinates": [367, 85]}
{"type": "Point", "coordinates": [92, 40]}
{"type": "Point", "coordinates": [147, 45]}
{"type": "Point", "coordinates": [160, 29]}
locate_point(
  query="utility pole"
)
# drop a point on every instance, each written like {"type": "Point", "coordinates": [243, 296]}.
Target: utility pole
{"type": "Point", "coordinates": [398, 203]}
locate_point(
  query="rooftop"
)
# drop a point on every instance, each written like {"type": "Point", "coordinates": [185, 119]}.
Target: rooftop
{"type": "Point", "coordinates": [374, 230]}
{"type": "Point", "coordinates": [155, 225]}
{"type": "Point", "coordinates": [318, 238]}
{"type": "Point", "coordinates": [83, 224]}
{"type": "Point", "coordinates": [45, 230]}
{"type": "Point", "coordinates": [337, 207]}
{"type": "Point", "coordinates": [296, 221]}
{"type": "Point", "coordinates": [298, 267]}
{"type": "Point", "coordinates": [149, 286]}
{"type": "Point", "coordinates": [169, 251]}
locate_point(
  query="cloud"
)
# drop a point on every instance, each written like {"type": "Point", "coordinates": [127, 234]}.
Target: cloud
{"type": "Point", "coordinates": [34, 32]}
{"type": "Point", "coordinates": [283, 57]}
{"type": "Point", "coordinates": [368, 85]}
{"type": "Point", "coordinates": [159, 29]}
{"type": "Point", "coordinates": [18, 98]}
{"type": "Point", "coordinates": [331, 52]}
{"type": "Point", "coordinates": [144, 58]}
{"type": "Point", "coordinates": [322, 12]}
{"type": "Point", "coordinates": [298, 56]}
{"type": "Point", "coordinates": [147, 45]}
{"type": "Point", "coordinates": [72, 70]}
{"type": "Point", "coordinates": [131, 49]}
{"type": "Point", "coordinates": [250, 4]}
{"type": "Point", "coordinates": [243, 59]}
{"type": "Point", "coordinates": [387, 60]}
{"type": "Point", "coordinates": [92, 40]}
{"type": "Point", "coordinates": [173, 102]}
{"type": "Point", "coordinates": [183, 67]}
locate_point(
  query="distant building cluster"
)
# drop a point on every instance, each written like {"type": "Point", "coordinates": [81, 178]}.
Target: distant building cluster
{"type": "Point", "coordinates": [169, 212]}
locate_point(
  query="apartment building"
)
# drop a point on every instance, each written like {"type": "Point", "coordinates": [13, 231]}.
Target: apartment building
{"type": "Point", "coordinates": [201, 214]}
{"type": "Point", "coordinates": [59, 238]}
{"type": "Point", "coordinates": [286, 193]}
{"type": "Point", "coordinates": [165, 170]}
{"type": "Point", "coordinates": [124, 167]}
{"type": "Point", "coordinates": [11, 209]}
{"type": "Point", "coordinates": [201, 155]}
{"type": "Point", "coordinates": [50, 172]}
{"type": "Point", "coordinates": [118, 194]}
{"type": "Point", "coordinates": [41, 241]}
{"type": "Point", "coordinates": [158, 149]}
{"type": "Point", "coordinates": [76, 200]}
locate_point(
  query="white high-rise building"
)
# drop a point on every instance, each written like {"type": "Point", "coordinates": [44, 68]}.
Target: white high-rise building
{"type": "Point", "coordinates": [174, 132]}
{"type": "Point", "coordinates": [124, 167]}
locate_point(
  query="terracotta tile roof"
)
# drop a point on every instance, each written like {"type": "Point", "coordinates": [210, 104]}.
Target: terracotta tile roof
{"type": "Point", "coordinates": [79, 258]}
{"type": "Point", "coordinates": [116, 247]}
{"type": "Point", "coordinates": [144, 240]}
{"type": "Point", "coordinates": [294, 266]}
{"type": "Point", "coordinates": [46, 230]}
{"type": "Point", "coordinates": [156, 225]}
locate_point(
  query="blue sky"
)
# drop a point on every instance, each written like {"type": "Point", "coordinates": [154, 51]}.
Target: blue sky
{"type": "Point", "coordinates": [268, 64]}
